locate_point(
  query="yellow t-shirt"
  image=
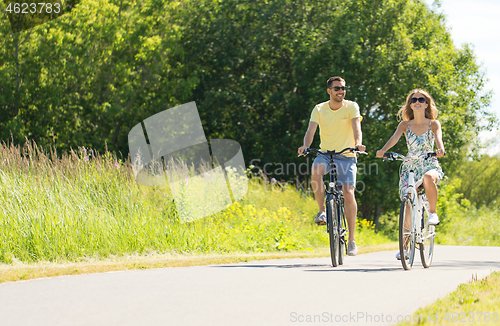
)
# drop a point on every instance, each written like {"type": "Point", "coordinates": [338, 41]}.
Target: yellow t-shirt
{"type": "Point", "coordinates": [335, 128]}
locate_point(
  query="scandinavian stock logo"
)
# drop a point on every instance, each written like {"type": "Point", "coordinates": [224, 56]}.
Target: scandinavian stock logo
{"type": "Point", "coordinates": [171, 146]}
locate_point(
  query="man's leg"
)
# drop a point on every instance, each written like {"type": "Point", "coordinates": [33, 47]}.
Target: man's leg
{"type": "Point", "coordinates": [318, 170]}
{"type": "Point", "coordinates": [351, 209]}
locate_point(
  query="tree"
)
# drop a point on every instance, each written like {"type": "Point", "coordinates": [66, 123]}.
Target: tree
{"type": "Point", "coordinates": [263, 65]}
{"type": "Point", "coordinates": [88, 77]}
{"type": "Point", "coordinates": [479, 180]}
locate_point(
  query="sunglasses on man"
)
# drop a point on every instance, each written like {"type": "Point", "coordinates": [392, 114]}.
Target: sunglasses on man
{"type": "Point", "coordinates": [338, 88]}
{"type": "Point", "coordinates": [420, 99]}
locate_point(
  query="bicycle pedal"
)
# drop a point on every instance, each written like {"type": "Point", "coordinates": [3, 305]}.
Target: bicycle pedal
{"type": "Point", "coordinates": [321, 223]}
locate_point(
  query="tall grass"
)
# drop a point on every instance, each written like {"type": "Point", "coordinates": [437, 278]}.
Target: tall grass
{"type": "Point", "coordinates": [83, 204]}
{"type": "Point", "coordinates": [464, 224]}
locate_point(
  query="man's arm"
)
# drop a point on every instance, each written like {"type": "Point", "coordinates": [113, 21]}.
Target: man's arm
{"type": "Point", "coordinates": [358, 136]}
{"type": "Point", "coordinates": [309, 137]}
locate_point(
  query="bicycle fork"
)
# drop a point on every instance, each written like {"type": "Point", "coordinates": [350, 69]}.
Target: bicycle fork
{"type": "Point", "coordinates": [419, 205]}
{"type": "Point", "coordinates": [343, 231]}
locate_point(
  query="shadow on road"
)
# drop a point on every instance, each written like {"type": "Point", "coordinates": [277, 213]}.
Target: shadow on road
{"type": "Point", "coordinates": [321, 268]}
{"type": "Point", "coordinates": [362, 270]}
{"type": "Point", "coordinates": [276, 266]}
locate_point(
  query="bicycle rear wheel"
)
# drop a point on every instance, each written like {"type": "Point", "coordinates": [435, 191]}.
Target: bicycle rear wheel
{"type": "Point", "coordinates": [342, 231]}
{"type": "Point", "coordinates": [406, 234]}
{"type": "Point", "coordinates": [332, 226]}
{"type": "Point", "coordinates": [427, 245]}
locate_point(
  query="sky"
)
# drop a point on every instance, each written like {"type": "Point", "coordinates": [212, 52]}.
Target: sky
{"type": "Point", "coordinates": [477, 23]}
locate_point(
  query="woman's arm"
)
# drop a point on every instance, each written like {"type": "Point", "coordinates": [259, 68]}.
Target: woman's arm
{"type": "Point", "coordinates": [394, 139]}
{"type": "Point", "coordinates": [438, 132]}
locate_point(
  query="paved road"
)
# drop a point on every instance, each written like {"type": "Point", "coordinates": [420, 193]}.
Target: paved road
{"type": "Point", "coordinates": [370, 289]}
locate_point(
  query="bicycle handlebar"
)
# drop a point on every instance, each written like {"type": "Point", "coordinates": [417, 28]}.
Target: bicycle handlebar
{"type": "Point", "coordinates": [314, 150]}
{"type": "Point", "coordinates": [392, 156]}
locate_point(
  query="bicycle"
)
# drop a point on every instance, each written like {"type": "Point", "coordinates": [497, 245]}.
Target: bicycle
{"type": "Point", "coordinates": [414, 215]}
{"type": "Point", "coordinates": [336, 224]}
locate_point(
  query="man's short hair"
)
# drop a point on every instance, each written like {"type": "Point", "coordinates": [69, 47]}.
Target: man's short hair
{"type": "Point", "coordinates": [330, 81]}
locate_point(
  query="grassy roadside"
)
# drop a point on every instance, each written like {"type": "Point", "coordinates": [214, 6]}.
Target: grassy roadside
{"type": "Point", "coordinates": [86, 206]}
{"type": "Point", "coordinates": [19, 271]}
{"type": "Point", "coordinates": [474, 303]}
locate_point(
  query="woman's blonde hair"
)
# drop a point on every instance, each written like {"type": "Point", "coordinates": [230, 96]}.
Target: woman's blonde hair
{"type": "Point", "coordinates": [406, 113]}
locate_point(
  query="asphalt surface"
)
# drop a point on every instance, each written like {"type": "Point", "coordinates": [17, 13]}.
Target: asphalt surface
{"type": "Point", "coordinates": [369, 289]}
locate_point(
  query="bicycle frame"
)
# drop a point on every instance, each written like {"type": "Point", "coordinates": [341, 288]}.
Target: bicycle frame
{"type": "Point", "coordinates": [335, 211]}
{"type": "Point", "coordinates": [338, 194]}
{"type": "Point", "coordinates": [333, 181]}
{"type": "Point", "coordinates": [418, 204]}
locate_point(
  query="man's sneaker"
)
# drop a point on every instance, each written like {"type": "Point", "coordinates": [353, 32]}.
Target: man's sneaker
{"type": "Point", "coordinates": [320, 218]}
{"type": "Point", "coordinates": [398, 255]}
{"type": "Point", "coordinates": [433, 219]}
{"type": "Point", "coordinates": [352, 250]}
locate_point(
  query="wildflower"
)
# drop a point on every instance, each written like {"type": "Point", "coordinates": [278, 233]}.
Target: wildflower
{"type": "Point", "coordinates": [86, 157]}
{"type": "Point", "coordinates": [273, 181]}
{"type": "Point", "coordinates": [117, 165]}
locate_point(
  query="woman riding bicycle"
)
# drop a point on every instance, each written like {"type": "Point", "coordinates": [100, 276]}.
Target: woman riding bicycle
{"type": "Point", "coordinates": [421, 130]}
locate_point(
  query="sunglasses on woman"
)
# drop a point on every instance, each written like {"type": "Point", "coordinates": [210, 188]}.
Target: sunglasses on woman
{"type": "Point", "coordinates": [420, 99]}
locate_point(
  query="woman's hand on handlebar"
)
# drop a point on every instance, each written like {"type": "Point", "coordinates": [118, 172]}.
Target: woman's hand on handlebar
{"type": "Point", "coordinates": [440, 153]}
{"type": "Point", "coordinates": [380, 153]}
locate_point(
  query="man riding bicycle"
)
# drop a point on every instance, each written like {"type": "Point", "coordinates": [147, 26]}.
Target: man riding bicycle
{"type": "Point", "coordinates": [339, 123]}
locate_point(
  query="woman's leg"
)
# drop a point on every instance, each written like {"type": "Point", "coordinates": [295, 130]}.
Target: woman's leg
{"type": "Point", "coordinates": [430, 184]}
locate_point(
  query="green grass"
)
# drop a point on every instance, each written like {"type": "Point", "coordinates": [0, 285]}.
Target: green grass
{"type": "Point", "coordinates": [473, 303]}
{"type": "Point", "coordinates": [84, 205]}
{"type": "Point", "coordinates": [463, 223]}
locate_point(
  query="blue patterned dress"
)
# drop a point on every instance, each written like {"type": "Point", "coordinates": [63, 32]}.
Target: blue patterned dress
{"type": "Point", "coordinates": [418, 145]}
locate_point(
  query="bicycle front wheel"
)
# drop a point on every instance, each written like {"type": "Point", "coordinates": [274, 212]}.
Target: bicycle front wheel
{"type": "Point", "coordinates": [332, 226]}
{"type": "Point", "coordinates": [406, 234]}
{"type": "Point", "coordinates": [342, 231]}
{"type": "Point", "coordinates": [427, 245]}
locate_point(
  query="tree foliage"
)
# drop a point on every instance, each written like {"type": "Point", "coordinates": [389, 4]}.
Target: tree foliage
{"type": "Point", "coordinates": [88, 77]}
{"type": "Point", "coordinates": [478, 180]}
{"type": "Point", "coordinates": [263, 66]}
